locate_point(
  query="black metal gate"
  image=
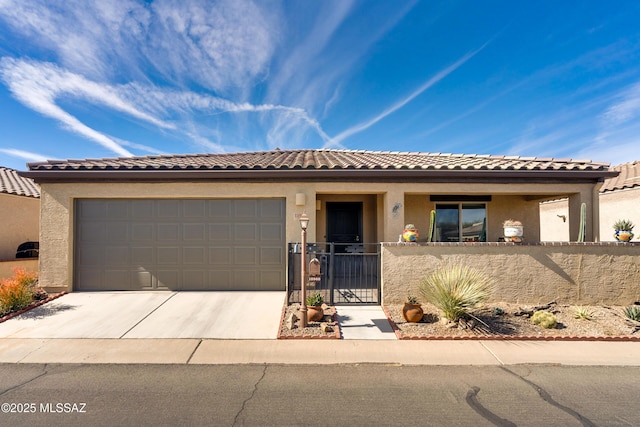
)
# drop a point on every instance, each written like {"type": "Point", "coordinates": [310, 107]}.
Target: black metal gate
{"type": "Point", "coordinates": [350, 273]}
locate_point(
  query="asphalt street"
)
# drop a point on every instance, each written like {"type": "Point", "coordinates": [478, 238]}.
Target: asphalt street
{"type": "Point", "coordinates": [318, 395]}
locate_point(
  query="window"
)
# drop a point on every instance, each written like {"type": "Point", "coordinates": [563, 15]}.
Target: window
{"type": "Point", "coordinates": [461, 222]}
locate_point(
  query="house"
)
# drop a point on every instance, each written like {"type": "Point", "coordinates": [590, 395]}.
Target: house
{"type": "Point", "coordinates": [19, 218]}
{"type": "Point", "coordinates": [225, 221]}
{"type": "Point", "coordinates": [619, 198]}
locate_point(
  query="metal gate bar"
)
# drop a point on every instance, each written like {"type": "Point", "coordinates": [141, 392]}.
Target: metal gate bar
{"type": "Point", "coordinates": [350, 273]}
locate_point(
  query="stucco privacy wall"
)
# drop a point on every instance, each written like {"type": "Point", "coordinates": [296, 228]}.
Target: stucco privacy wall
{"type": "Point", "coordinates": [571, 273]}
{"type": "Point", "coordinates": [7, 267]}
{"type": "Point", "coordinates": [19, 217]}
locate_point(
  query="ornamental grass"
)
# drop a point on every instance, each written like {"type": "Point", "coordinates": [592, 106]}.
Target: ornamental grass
{"type": "Point", "coordinates": [17, 292]}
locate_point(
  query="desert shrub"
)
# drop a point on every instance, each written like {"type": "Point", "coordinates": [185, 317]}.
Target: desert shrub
{"type": "Point", "coordinates": [17, 292]}
{"type": "Point", "coordinates": [632, 312]}
{"type": "Point", "coordinates": [545, 319]}
{"type": "Point", "coordinates": [455, 290]}
{"type": "Point", "coordinates": [583, 313]}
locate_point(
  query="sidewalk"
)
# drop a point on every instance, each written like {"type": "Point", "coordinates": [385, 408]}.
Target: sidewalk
{"type": "Point", "coordinates": [206, 351]}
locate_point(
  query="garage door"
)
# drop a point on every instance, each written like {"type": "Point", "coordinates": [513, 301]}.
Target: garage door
{"type": "Point", "coordinates": [201, 244]}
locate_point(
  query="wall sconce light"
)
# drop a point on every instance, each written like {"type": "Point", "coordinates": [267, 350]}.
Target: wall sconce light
{"type": "Point", "coordinates": [301, 199]}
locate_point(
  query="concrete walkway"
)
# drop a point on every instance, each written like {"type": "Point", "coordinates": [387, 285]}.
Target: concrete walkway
{"type": "Point", "coordinates": [194, 351]}
{"type": "Point", "coordinates": [364, 322]}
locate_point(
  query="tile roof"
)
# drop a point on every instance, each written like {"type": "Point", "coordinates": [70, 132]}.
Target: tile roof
{"type": "Point", "coordinates": [629, 177]}
{"type": "Point", "coordinates": [322, 159]}
{"type": "Point", "coordinates": [12, 183]}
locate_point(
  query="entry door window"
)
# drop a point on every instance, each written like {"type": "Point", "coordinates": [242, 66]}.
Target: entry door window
{"type": "Point", "coordinates": [461, 222]}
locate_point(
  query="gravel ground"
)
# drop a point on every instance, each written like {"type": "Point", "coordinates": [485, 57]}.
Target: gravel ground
{"type": "Point", "coordinates": [606, 321]}
{"type": "Point", "coordinates": [313, 328]}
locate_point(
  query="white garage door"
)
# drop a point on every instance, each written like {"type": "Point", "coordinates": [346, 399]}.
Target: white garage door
{"type": "Point", "coordinates": [180, 244]}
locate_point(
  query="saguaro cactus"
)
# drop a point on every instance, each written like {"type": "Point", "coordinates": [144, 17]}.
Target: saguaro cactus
{"type": "Point", "coordinates": [432, 226]}
{"type": "Point", "coordinates": [583, 222]}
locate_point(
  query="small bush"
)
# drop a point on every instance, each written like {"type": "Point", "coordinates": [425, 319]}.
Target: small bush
{"type": "Point", "coordinates": [18, 292]}
{"type": "Point", "coordinates": [632, 312]}
{"type": "Point", "coordinates": [315, 299]}
{"type": "Point", "coordinates": [455, 290]}
{"type": "Point", "coordinates": [583, 313]}
{"type": "Point", "coordinates": [545, 319]}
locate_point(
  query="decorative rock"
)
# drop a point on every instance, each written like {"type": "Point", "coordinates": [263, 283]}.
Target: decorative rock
{"type": "Point", "coordinates": [291, 321]}
{"type": "Point", "coordinates": [325, 327]}
{"type": "Point", "coordinates": [327, 318]}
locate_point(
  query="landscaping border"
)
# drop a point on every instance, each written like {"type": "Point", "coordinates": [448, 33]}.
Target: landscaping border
{"type": "Point", "coordinates": [401, 336]}
{"type": "Point", "coordinates": [336, 335]}
{"type": "Point", "coordinates": [31, 306]}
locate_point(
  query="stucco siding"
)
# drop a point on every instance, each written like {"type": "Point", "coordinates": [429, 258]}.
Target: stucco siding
{"type": "Point", "coordinates": [569, 273]}
{"type": "Point", "coordinates": [19, 219]}
{"type": "Point", "coordinates": [619, 204]}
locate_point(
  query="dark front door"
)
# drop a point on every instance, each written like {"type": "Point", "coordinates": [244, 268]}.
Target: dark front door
{"type": "Point", "coordinates": [344, 224]}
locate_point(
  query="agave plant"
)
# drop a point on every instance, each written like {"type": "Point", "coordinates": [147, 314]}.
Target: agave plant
{"type": "Point", "coordinates": [582, 313]}
{"type": "Point", "coordinates": [623, 224]}
{"type": "Point", "coordinates": [456, 290]}
{"type": "Point", "coordinates": [632, 312]}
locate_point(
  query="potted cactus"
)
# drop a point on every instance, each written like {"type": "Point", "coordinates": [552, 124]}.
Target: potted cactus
{"type": "Point", "coordinates": [623, 230]}
{"type": "Point", "coordinates": [412, 310]}
{"type": "Point", "coordinates": [315, 313]}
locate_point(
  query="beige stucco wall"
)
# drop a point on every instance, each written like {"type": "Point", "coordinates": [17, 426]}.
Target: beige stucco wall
{"type": "Point", "coordinates": [621, 204]}
{"type": "Point", "coordinates": [571, 273]}
{"type": "Point", "coordinates": [6, 267]}
{"type": "Point", "coordinates": [388, 206]}
{"type": "Point", "coordinates": [19, 223]}
{"type": "Point", "coordinates": [554, 220]}
{"type": "Point", "coordinates": [614, 205]}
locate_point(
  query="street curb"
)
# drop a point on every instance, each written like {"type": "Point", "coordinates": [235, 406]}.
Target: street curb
{"type": "Point", "coordinates": [31, 307]}
{"type": "Point", "coordinates": [401, 336]}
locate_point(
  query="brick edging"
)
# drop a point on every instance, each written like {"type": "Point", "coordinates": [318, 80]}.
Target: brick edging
{"type": "Point", "coordinates": [401, 336]}
{"type": "Point", "coordinates": [336, 333]}
{"type": "Point", "coordinates": [31, 307]}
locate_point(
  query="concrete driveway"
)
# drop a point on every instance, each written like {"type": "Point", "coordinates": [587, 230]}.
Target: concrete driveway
{"type": "Point", "coordinates": [223, 315]}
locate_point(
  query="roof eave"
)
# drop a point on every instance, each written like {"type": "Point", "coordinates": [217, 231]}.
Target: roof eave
{"type": "Point", "coordinates": [44, 176]}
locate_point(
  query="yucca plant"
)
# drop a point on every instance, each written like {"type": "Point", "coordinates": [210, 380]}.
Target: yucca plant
{"type": "Point", "coordinates": [456, 290]}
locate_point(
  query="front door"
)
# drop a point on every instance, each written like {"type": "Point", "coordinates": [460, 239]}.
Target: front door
{"type": "Point", "coordinates": [344, 224]}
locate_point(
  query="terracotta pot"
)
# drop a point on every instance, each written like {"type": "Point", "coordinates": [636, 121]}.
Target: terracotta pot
{"type": "Point", "coordinates": [412, 313]}
{"type": "Point", "coordinates": [314, 313]}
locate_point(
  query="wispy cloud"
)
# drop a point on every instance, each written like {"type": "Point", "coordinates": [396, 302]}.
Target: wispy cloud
{"type": "Point", "coordinates": [26, 155]}
{"type": "Point", "coordinates": [398, 105]}
{"type": "Point", "coordinates": [40, 86]}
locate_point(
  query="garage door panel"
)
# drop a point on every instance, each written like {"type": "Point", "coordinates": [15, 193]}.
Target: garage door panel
{"type": "Point", "coordinates": [245, 256]}
{"type": "Point", "coordinates": [141, 232]}
{"type": "Point", "coordinates": [169, 231]}
{"type": "Point", "coordinates": [219, 233]}
{"type": "Point", "coordinates": [245, 232]}
{"type": "Point", "coordinates": [271, 232]}
{"type": "Point", "coordinates": [220, 256]}
{"type": "Point", "coordinates": [194, 231]}
{"type": "Point", "coordinates": [271, 256]}
{"type": "Point", "coordinates": [180, 244]}
{"type": "Point", "coordinates": [194, 255]}
{"type": "Point", "coordinates": [246, 209]}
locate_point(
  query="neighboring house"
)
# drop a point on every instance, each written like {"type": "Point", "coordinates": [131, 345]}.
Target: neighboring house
{"type": "Point", "coordinates": [223, 221]}
{"type": "Point", "coordinates": [19, 212]}
{"type": "Point", "coordinates": [619, 198]}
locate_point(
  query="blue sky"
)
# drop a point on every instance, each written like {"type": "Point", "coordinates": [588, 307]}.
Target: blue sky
{"type": "Point", "coordinates": [84, 79]}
